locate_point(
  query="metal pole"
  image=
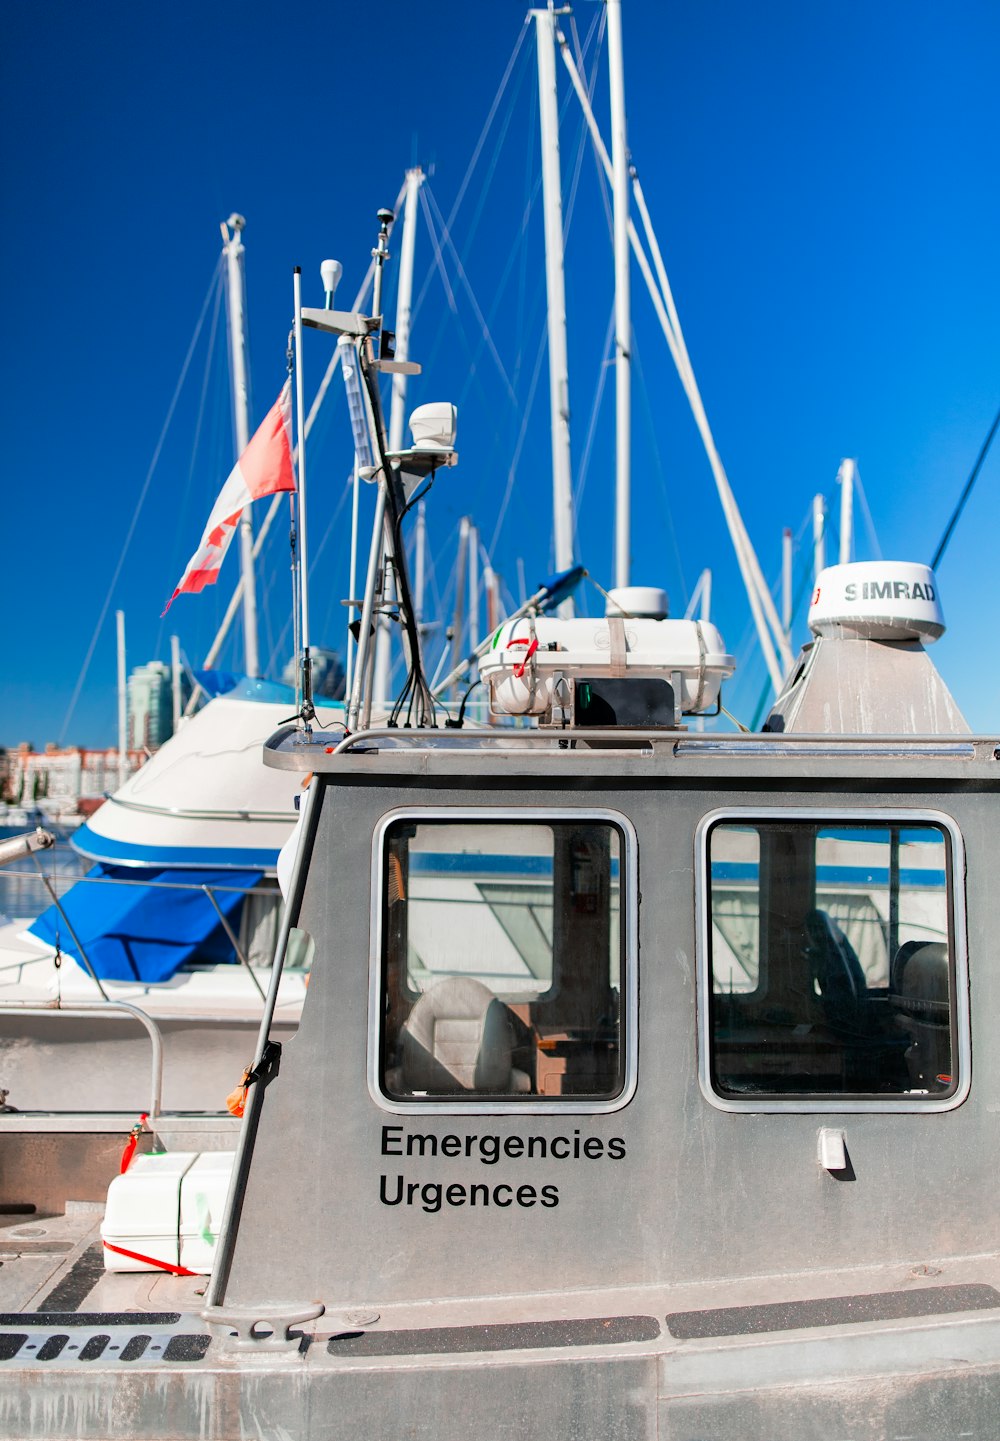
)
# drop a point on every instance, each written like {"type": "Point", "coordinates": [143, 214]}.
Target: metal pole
{"type": "Point", "coordinates": [473, 586]}
{"type": "Point", "coordinates": [404, 301]}
{"type": "Point", "coordinates": [397, 414]}
{"type": "Point", "coordinates": [491, 584]}
{"type": "Point", "coordinates": [86, 1009]}
{"type": "Point", "coordinates": [845, 478]}
{"type": "Point", "coordinates": [623, 331]}
{"type": "Point", "coordinates": [703, 593]}
{"type": "Point", "coordinates": [352, 583]}
{"type": "Point", "coordinates": [244, 1146]}
{"type": "Point", "coordinates": [786, 580]}
{"type": "Point", "coordinates": [233, 940]}
{"type": "Point", "coordinates": [819, 535]}
{"type": "Point", "coordinates": [239, 373]}
{"type": "Point", "coordinates": [85, 959]}
{"type": "Point", "coordinates": [367, 608]}
{"type": "Point", "coordinates": [562, 492]}
{"type": "Point", "coordinates": [421, 563]}
{"type": "Point", "coordinates": [122, 701]}
{"type": "Point", "coordinates": [458, 620]}
{"type": "Point", "coordinates": [176, 678]}
{"type": "Point", "coordinates": [307, 705]}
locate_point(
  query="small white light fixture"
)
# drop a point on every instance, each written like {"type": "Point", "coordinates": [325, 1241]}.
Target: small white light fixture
{"type": "Point", "coordinates": [330, 271]}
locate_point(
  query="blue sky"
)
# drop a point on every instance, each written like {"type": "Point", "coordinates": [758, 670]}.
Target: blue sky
{"type": "Point", "coordinates": [822, 182]}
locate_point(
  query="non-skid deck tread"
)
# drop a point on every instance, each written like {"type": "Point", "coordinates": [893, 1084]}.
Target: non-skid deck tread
{"type": "Point", "coordinates": [830, 1311]}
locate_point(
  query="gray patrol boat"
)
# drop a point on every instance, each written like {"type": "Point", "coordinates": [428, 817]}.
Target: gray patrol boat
{"type": "Point", "coordinates": [633, 1095]}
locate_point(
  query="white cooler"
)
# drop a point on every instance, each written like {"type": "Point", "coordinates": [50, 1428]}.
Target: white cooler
{"type": "Point", "coordinates": [167, 1208]}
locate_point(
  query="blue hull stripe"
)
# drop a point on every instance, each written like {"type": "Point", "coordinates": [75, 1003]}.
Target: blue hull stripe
{"type": "Point", "coordinates": [126, 853]}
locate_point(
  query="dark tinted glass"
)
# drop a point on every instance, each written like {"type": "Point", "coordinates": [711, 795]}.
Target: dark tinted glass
{"type": "Point", "coordinates": [502, 960]}
{"type": "Point", "coordinates": [832, 960]}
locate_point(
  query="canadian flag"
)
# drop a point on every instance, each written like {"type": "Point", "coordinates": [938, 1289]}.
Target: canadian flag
{"type": "Point", "coordinates": [264, 468]}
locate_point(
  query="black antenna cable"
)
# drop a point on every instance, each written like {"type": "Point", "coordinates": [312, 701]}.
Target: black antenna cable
{"type": "Point", "coordinates": [943, 543]}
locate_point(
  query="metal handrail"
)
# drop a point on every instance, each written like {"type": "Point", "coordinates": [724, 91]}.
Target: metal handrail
{"type": "Point", "coordinates": [82, 1010]}
{"type": "Point", "coordinates": [207, 890]}
{"type": "Point", "coordinates": [666, 738]}
{"type": "Point", "coordinates": [184, 813]}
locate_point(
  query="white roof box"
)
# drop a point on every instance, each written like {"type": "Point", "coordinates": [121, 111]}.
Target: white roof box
{"type": "Point", "coordinates": [877, 600]}
{"type": "Point", "coordinates": [533, 666]}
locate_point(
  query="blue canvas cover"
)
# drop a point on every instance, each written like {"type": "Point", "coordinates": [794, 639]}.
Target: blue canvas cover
{"type": "Point", "coordinates": [142, 933]}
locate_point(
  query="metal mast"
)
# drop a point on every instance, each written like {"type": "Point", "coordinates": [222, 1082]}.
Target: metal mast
{"type": "Point", "coordinates": [562, 492]}
{"type": "Point", "coordinates": [819, 535]}
{"type": "Point", "coordinates": [845, 476]}
{"type": "Point", "coordinates": [623, 324]}
{"type": "Point", "coordinates": [240, 372]}
{"type": "Point", "coordinates": [122, 700]}
{"type": "Point", "coordinates": [397, 413]}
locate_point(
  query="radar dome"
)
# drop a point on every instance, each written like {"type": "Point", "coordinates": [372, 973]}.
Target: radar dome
{"type": "Point", "coordinates": [877, 600]}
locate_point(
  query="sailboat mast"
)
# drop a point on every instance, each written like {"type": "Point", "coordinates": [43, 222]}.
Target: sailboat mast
{"type": "Point", "coordinates": [239, 375]}
{"type": "Point", "coordinates": [122, 699]}
{"type": "Point", "coordinates": [846, 478]}
{"type": "Point", "coordinates": [562, 491]}
{"type": "Point", "coordinates": [623, 323]}
{"type": "Point", "coordinates": [819, 535]}
{"type": "Point", "coordinates": [421, 564]}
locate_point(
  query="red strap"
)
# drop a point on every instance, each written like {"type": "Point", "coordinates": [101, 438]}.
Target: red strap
{"type": "Point", "coordinates": [133, 1141]}
{"type": "Point", "coordinates": [151, 1261]}
{"type": "Point", "coordinates": [532, 647]}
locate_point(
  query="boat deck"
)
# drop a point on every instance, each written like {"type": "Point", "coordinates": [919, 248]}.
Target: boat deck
{"type": "Point", "coordinates": [80, 1346]}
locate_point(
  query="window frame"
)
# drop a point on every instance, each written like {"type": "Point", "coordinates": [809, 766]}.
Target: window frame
{"type": "Point", "coordinates": [629, 928]}
{"type": "Point", "coordinates": [955, 895]}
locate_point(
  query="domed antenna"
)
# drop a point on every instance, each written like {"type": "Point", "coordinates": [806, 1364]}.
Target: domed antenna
{"type": "Point", "coordinates": [330, 271]}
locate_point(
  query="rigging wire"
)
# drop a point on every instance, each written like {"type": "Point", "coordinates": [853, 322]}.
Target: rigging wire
{"type": "Point", "coordinates": [199, 421]}
{"type": "Point", "coordinates": [956, 513]}
{"type": "Point", "coordinates": [525, 418]}
{"type": "Point", "coordinates": [505, 126]}
{"type": "Point", "coordinates": [313, 562]}
{"type": "Point", "coordinates": [488, 122]}
{"type": "Point", "coordinates": [602, 376]}
{"type": "Point", "coordinates": [602, 179]}
{"type": "Point", "coordinates": [866, 512]}
{"type": "Point", "coordinates": [213, 284]}
{"type": "Point", "coordinates": [540, 354]}
{"type": "Point", "coordinates": [428, 200]}
{"type": "Point", "coordinates": [657, 466]}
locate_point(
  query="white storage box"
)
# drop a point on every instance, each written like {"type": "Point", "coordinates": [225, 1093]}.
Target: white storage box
{"type": "Point", "coordinates": [143, 1209]}
{"type": "Point", "coordinates": [203, 1200]}
{"type": "Point", "coordinates": [167, 1208]}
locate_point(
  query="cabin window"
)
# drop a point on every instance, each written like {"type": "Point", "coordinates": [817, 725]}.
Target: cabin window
{"type": "Point", "coordinates": [501, 952]}
{"type": "Point", "coordinates": [832, 958]}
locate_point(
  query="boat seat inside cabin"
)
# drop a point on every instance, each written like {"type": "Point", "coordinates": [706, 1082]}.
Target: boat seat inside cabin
{"type": "Point", "coordinates": [920, 999]}
{"type": "Point", "coordinates": [458, 1037]}
{"type": "Point", "coordinates": [835, 968]}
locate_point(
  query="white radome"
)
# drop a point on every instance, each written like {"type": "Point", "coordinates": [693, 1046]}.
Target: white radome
{"type": "Point", "coordinates": [877, 600]}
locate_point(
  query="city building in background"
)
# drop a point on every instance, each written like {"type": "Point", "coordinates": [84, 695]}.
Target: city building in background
{"type": "Point", "coordinates": [150, 705]}
{"type": "Point", "coordinates": [61, 783]}
{"type": "Point", "coordinates": [65, 784]}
